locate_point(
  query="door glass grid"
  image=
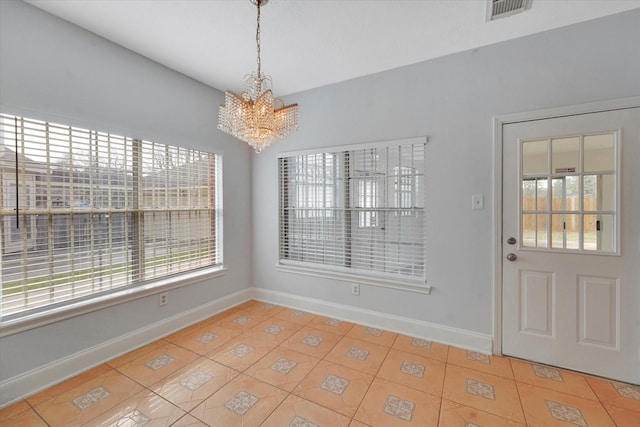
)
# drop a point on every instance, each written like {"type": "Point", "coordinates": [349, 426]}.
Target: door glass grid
{"type": "Point", "coordinates": [568, 193]}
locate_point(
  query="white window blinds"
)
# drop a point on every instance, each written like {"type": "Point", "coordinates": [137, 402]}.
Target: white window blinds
{"type": "Point", "coordinates": [85, 212]}
{"type": "Point", "coordinates": [355, 210]}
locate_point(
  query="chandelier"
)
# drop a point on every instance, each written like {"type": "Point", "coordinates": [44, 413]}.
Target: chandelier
{"type": "Point", "coordinates": [255, 117]}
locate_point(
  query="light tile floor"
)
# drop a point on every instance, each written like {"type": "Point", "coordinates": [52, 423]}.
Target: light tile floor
{"type": "Point", "coordinates": [262, 365]}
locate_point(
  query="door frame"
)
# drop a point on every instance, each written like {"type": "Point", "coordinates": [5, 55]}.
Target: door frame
{"type": "Point", "coordinates": [499, 121]}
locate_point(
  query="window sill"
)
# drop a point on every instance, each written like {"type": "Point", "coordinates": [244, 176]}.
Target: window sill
{"type": "Point", "coordinates": [30, 321]}
{"type": "Point", "coordinates": [421, 288]}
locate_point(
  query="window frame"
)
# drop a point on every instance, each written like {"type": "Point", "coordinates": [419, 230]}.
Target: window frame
{"type": "Point", "coordinates": [96, 300]}
{"type": "Point", "coordinates": [346, 273]}
{"type": "Point", "coordinates": [548, 213]}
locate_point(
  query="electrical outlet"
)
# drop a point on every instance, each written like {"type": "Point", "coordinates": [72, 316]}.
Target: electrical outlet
{"type": "Point", "coordinates": [355, 289]}
{"type": "Point", "coordinates": [477, 201]}
{"type": "Point", "coordinates": [163, 299]}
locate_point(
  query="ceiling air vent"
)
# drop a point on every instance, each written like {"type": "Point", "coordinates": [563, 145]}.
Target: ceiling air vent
{"type": "Point", "coordinates": [502, 8]}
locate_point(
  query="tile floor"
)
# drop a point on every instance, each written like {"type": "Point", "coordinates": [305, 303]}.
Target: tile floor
{"type": "Point", "coordinates": [263, 365]}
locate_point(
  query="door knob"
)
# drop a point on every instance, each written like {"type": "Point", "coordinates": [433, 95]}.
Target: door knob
{"type": "Point", "coordinates": [511, 240]}
{"type": "Point", "coordinates": [512, 257]}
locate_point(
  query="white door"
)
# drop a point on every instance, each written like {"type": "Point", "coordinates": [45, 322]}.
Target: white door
{"type": "Point", "coordinates": [571, 242]}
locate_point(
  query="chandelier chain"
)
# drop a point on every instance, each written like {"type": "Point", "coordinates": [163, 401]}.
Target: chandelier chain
{"type": "Point", "coordinates": [258, 38]}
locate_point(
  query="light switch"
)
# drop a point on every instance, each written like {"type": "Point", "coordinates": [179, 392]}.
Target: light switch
{"type": "Point", "coordinates": [477, 201]}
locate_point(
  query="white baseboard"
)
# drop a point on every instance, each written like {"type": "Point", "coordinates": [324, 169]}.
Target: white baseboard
{"type": "Point", "coordinates": [36, 380]}
{"type": "Point", "coordinates": [29, 383]}
{"type": "Point", "coordinates": [416, 328]}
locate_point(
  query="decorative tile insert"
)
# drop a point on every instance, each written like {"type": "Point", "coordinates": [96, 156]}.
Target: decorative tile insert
{"type": "Point", "coordinates": [548, 373]}
{"type": "Point", "coordinates": [207, 338]}
{"type": "Point", "coordinates": [565, 413]}
{"type": "Point", "coordinates": [478, 357]}
{"type": "Point", "coordinates": [298, 314]}
{"type": "Point", "coordinates": [301, 422]}
{"type": "Point", "coordinates": [284, 366]}
{"type": "Point", "coordinates": [134, 418]}
{"type": "Point", "coordinates": [196, 380]}
{"type": "Point", "coordinates": [267, 306]}
{"type": "Point", "coordinates": [628, 391]}
{"type": "Point", "coordinates": [241, 350]}
{"type": "Point", "coordinates": [241, 402]}
{"type": "Point", "coordinates": [357, 353]}
{"type": "Point", "coordinates": [160, 362]}
{"type": "Point", "coordinates": [91, 398]}
{"type": "Point", "coordinates": [274, 329]}
{"type": "Point", "coordinates": [412, 369]}
{"type": "Point", "coordinates": [333, 322]}
{"type": "Point", "coordinates": [420, 343]}
{"type": "Point", "coordinates": [399, 408]}
{"type": "Point", "coordinates": [242, 320]}
{"type": "Point", "coordinates": [478, 388]}
{"type": "Point", "coordinates": [312, 340]}
{"type": "Point", "coordinates": [335, 385]}
{"type": "Point", "coordinates": [374, 332]}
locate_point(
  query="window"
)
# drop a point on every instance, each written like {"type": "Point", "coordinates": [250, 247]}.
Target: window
{"type": "Point", "coordinates": [355, 210]}
{"type": "Point", "coordinates": [405, 186]}
{"type": "Point", "coordinates": [85, 213]}
{"type": "Point", "coordinates": [569, 193]}
{"type": "Point", "coordinates": [368, 198]}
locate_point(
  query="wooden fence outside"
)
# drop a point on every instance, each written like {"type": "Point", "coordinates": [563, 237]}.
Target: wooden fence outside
{"type": "Point", "coordinates": [572, 220]}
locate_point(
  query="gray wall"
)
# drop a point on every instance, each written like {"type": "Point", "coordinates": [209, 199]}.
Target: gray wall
{"type": "Point", "coordinates": [452, 100]}
{"type": "Point", "coordinates": [52, 70]}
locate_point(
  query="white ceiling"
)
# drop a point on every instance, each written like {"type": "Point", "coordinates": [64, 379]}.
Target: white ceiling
{"type": "Point", "coordinates": [310, 43]}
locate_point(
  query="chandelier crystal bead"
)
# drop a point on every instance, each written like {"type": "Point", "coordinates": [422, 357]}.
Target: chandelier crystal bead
{"type": "Point", "coordinates": [254, 116]}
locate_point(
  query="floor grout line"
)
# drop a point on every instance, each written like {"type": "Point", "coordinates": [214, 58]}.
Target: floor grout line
{"type": "Point", "coordinates": [449, 366]}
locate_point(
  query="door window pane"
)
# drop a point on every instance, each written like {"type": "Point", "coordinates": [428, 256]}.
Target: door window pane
{"type": "Point", "coordinates": [565, 231]}
{"type": "Point", "coordinates": [534, 230]}
{"type": "Point", "coordinates": [534, 157]}
{"type": "Point", "coordinates": [529, 195]}
{"type": "Point", "coordinates": [566, 194]}
{"type": "Point", "coordinates": [565, 155]}
{"type": "Point", "coordinates": [599, 192]}
{"type": "Point", "coordinates": [557, 231]}
{"type": "Point", "coordinates": [541, 194]}
{"type": "Point", "coordinates": [528, 237]}
{"type": "Point", "coordinates": [599, 153]}
{"type": "Point", "coordinates": [563, 207]}
{"type": "Point", "coordinates": [541, 241]}
{"type": "Point", "coordinates": [599, 233]}
{"type": "Point", "coordinates": [534, 194]}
